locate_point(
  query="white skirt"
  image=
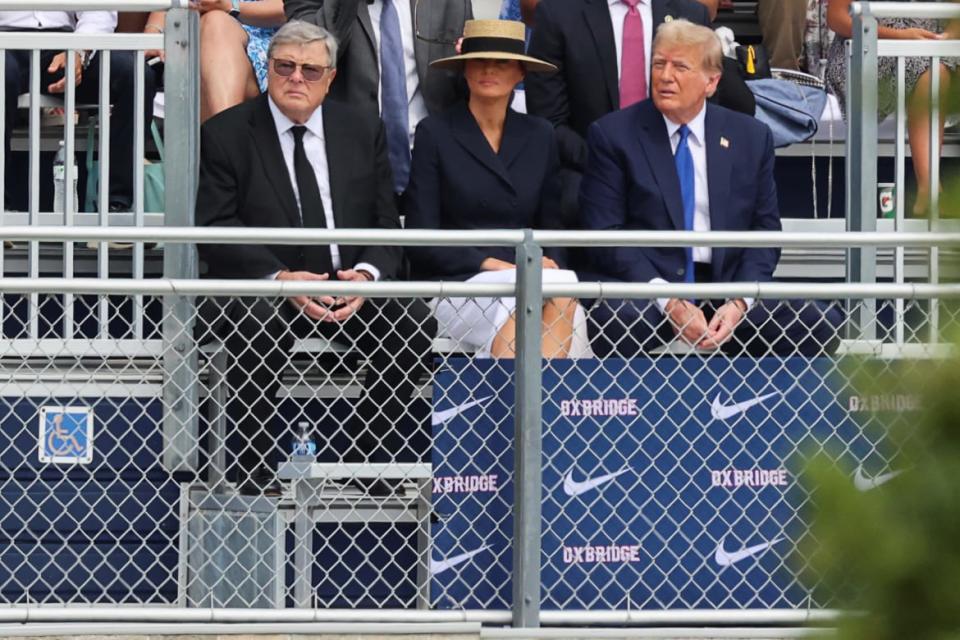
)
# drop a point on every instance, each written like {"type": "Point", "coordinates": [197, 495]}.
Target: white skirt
{"type": "Point", "coordinates": [474, 322]}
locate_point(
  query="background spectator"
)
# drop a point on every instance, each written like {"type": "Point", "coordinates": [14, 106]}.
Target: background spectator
{"type": "Point", "coordinates": [384, 61]}
{"type": "Point", "coordinates": [783, 23]}
{"type": "Point", "coordinates": [917, 80]}
{"type": "Point", "coordinates": [53, 81]}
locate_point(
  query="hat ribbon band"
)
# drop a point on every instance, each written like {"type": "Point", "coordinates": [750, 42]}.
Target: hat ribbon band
{"type": "Point", "coordinates": [492, 45]}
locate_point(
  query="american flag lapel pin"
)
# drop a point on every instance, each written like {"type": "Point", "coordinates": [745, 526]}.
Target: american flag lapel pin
{"type": "Point", "coordinates": [724, 142]}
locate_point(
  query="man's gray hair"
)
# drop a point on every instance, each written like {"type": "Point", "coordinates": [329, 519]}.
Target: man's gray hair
{"type": "Point", "coordinates": [685, 33]}
{"type": "Point", "coordinates": [304, 33]}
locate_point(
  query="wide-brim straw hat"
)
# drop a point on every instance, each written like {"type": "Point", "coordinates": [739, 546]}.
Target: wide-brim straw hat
{"type": "Point", "coordinates": [493, 40]}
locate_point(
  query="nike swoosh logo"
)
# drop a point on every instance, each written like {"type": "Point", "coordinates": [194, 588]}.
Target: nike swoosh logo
{"type": "Point", "coordinates": [725, 412]}
{"type": "Point", "coordinates": [863, 483]}
{"type": "Point", "coordinates": [439, 566]}
{"type": "Point", "coordinates": [573, 488]}
{"type": "Point", "coordinates": [440, 417]}
{"type": "Point", "coordinates": [726, 558]}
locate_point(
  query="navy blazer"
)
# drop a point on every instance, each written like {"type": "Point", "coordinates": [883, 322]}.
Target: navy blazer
{"type": "Point", "coordinates": [457, 181]}
{"type": "Point", "coordinates": [631, 183]}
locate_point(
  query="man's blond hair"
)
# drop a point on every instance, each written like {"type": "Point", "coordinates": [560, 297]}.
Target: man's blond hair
{"type": "Point", "coordinates": [682, 32]}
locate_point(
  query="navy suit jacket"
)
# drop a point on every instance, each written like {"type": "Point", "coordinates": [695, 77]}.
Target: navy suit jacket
{"type": "Point", "coordinates": [631, 183]}
{"type": "Point", "coordinates": [457, 181]}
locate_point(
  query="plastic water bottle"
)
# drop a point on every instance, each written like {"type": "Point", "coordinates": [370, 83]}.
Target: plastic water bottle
{"type": "Point", "coordinates": [304, 448]}
{"type": "Point", "coordinates": [60, 179]}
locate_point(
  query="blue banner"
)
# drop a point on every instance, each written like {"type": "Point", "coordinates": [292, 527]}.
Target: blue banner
{"type": "Point", "coordinates": [667, 483]}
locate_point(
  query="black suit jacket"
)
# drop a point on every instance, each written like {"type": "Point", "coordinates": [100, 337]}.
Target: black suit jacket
{"type": "Point", "coordinates": [458, 182]}
{"type": "Point", "coordinates": [244, 182]}
{"type": "Point", "coordinates": [358, 72]}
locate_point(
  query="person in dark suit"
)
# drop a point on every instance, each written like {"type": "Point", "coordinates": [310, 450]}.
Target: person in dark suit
{"type": "Point", "coordinates": [384, 61]}
{"type": "Point", "coordinates": [481, 165]}
{"type": "Point", "coordinates": [598, 73]}
{"type": "Point", "coordinates": [676, 162]}
{"type": "Point", "coordinates": [291, 159]}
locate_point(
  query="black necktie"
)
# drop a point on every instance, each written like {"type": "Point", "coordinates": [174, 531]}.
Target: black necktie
{"type": "Point", "coordinates": [317, 257]}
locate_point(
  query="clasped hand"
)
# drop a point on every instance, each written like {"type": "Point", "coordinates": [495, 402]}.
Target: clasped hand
{"type": "Point", "coordinates": [691, 324]}
{"type": "Point", "coordinates": [326, 308]}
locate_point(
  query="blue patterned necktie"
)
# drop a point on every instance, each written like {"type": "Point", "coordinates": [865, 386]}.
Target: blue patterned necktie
{"type": "Point", "coordinates": [394, 103]}
{"type": "Point", "coordinates": [684, 161]}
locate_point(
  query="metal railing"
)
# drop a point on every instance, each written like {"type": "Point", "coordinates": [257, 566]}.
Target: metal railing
{"type": "Point", "coordinates": [862, 91]}
{"type": "Point", "coordinates": [183, 390]}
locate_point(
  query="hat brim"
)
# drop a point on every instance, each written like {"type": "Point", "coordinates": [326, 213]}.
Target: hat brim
{"type": "Point", "coordinates": [454, 63]}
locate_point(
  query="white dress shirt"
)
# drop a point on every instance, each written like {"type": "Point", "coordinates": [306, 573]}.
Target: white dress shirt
{"type": "Point", "coordinates": [314, 145]}
{"type": "Point", "coordinates": [618, 11]}
{"type": "Point", "coordinates": [78, 21]}
{"type": "Point", "coordinates": [417, 108]}
{"type": "Point", "coordinates": [696, 141]}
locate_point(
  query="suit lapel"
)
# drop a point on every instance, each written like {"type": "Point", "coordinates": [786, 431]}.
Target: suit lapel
{"type": "Point", "coordinates": [719, 165]}
{"type": "Point", "coordinates": [514, 139]}
{"type": "Point", "coordinates": [597, 16]}
{"type": "Point", "coordinates": [264, 132]}
{"type": "Point", "coordinates": [336, 140]}
{"type": "Point", "coordinates": [656, 145]}
{"type": "Point", "coordinates": [467, 133]}
{"type": "Point", "coordinates": [363, 15]}
{"type": "Point", "coordinates": [421, 52]}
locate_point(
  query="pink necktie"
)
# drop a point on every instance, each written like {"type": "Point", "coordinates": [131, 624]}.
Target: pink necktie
{"type": "Point", "coordinates": [633, 59]}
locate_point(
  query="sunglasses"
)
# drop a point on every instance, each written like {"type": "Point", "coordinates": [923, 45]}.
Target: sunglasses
{"type": "Point", "coordinates": [310, 72]}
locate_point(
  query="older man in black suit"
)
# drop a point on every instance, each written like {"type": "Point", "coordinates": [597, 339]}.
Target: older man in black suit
{"type": "Point", "coordinates": [290, 159]}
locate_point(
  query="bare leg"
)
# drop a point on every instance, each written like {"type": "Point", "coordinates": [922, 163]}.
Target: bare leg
{"type": "Point", "coordinates": [226, 75]}
{"type": "Point", "coordinates": [558, 316]}
{"type": "Point", "coordinates": [918, 126]}
{"type": "Point", "coordinates": [504, 344]}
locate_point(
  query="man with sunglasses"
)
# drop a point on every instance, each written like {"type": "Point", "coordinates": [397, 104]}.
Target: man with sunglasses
{"type": "Point", "coordinates": [291, 159]}
{"type": "Point", "coordinates": [386, 47]}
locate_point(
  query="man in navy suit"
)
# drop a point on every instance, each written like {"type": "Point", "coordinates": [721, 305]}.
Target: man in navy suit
{"type": "Point", "coordinates": [677, 162]}
{"type": "Point", "coordinates": [585, 40]}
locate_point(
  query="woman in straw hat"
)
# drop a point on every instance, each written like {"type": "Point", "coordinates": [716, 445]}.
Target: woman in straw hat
{"type": "Point", "coordinates": [481, 165]}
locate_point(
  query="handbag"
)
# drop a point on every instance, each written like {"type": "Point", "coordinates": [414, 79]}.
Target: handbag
{"type": "Point", "coordinates": [754, 64]}
{"type": "Point", "coordinates": [153, 195]}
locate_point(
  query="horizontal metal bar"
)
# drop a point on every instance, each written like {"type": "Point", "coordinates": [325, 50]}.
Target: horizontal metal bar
{"type": "Point", "coordinates": [931, 10]}
{"type": "Point", "coordinates": [917, 48]}
{"type": "Point", "coordinates": [94, 5]}
{"type": "Point", "coordinates": [671, 633]}
{"type": "Point", "coordinates": [253, 288]}
{"type": "Point", "coordinates": [266, 235]}
{"type": "Point", "coordinates": [376, 629]}
{"type": "Point", "coordinates": [675, 617]}
{"type": "Point", "coordinates": [94, 614]}
{"type": "Point", "coordinates": [742, 239]}
{"type": "Point", "coordinates": [78, 41]}
{"type": "Point", "coordinates": [693, 617]}
{"type": "Point", "coordinates": [393, 289]}
{"type": "Point", "coordinates": [429, 237]}
{"type": "Point", "coordinates": [762, 290]}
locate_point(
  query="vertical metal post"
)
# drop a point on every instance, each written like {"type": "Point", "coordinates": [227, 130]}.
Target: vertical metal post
{"type": "Point", "coordinates": [862, 162]}
{"type": "Point", "coordinates": [901, 193]}
{"type": "Point", "coordinates": [934, 186]}
{"type": "Point", "coordinates": [527, 436]}
{"type": "Point", "coordinates": [182, 141]}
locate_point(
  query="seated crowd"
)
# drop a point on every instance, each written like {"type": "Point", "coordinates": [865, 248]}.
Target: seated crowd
{"type": "Point", "coordinates": [293, 158]}
{"type": "Point", "coordinates": [375, 109]}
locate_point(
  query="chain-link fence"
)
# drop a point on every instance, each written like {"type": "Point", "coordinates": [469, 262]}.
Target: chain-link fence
{"type": "Point", "coordinates": [245, 454]}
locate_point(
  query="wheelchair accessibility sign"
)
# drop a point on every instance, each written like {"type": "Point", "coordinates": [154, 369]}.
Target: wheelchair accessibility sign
{"type": "Point", "coordinates": [66, 435]}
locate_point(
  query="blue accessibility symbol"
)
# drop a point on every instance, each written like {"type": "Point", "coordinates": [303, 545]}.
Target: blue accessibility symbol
{"type": "Point", "coordinates": [66, 435]}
